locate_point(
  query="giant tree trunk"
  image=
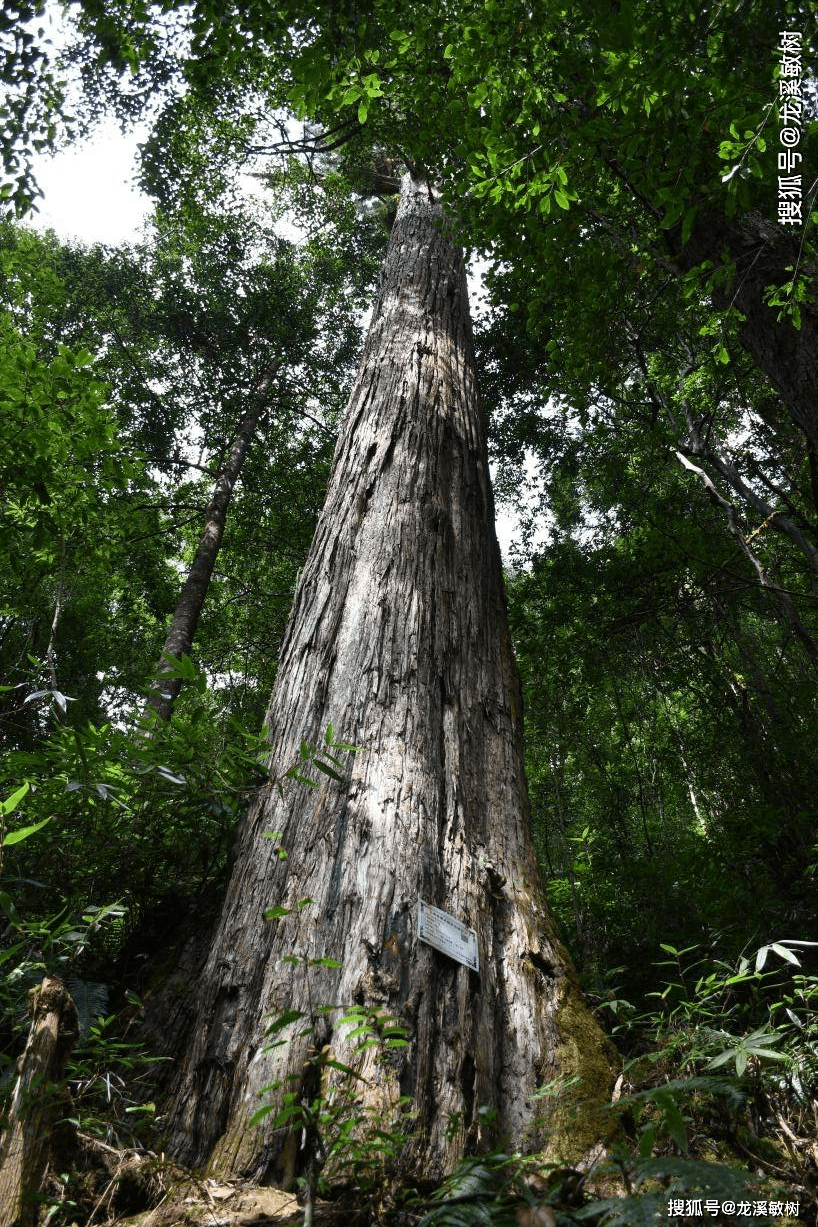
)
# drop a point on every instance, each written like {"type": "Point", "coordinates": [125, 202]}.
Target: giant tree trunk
{"type": "Point", "coordinates": [398, 637]}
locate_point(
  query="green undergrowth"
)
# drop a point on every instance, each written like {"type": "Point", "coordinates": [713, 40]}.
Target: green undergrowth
{"type": "Point", "coordinates": [715, 1104]}
{"type": "Point", "coordinates": [714, 1109]}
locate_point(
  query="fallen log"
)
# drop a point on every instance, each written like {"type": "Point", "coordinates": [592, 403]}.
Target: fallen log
{"type": "Point", "coordinates": [35, 1103]}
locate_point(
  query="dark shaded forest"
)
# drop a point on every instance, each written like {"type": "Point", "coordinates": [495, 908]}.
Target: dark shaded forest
{"type": "Point", "coordinates": [171, 413]}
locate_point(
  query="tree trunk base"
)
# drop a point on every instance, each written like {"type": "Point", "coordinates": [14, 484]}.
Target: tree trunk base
{"type": "Point", "coordinates": [195, 1202]}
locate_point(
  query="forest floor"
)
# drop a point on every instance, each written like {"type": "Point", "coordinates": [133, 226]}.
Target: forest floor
{"type": "Point", "coordinates": [213, 1203]}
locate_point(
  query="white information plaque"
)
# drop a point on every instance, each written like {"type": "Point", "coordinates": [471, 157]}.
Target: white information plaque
{"type": "Point", "coordinates": [448, 935]}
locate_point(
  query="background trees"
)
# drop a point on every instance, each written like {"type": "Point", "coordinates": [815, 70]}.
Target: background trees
{"type": "Point", "coordinates": [616, 167]}
{"type": "Point", "coordinates": [125, 376]}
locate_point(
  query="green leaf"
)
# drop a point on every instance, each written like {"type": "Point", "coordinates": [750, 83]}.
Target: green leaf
{"type": "Point", "coordinates": [646, 1140]}
{"type": "Point", "coordinates": [283, 1020]}
{"type": "Point", "coordinates": [331, 1063]}
{"type": "Point", "coordinates": [262, 1114]}
{"type": "Point", "coordinates": [296, 775]}
{"type": "Point", "coordinates": [177, 666]}
{"type": "Point", "coordinates": [356, 1031]}
{"type": "Point", "coordinates": [11, 951]}
{"type": "Point", "coordinates": [11, 802]}
{"type": "Point", "coordinates": [721, 1059]}
{"type": "Point", "coordinates": [296, 1110]}
{"type": "Point", "coordinates": [687, 224]}
{"type": "Point", "coordinates": [168, 775]}
{"type": "Point", "coordinates": [15, 837]}
{"type": "Point", "coordinates": [327, 770]}
{"type": "Point", "coordinates": [272, 913]}
{"type": "Point", "coordinates": [673, 1120]}
{"type": "Point", "coordinates": [8, 908]}
{"type": "Point", "coordinates": [355, 1015]}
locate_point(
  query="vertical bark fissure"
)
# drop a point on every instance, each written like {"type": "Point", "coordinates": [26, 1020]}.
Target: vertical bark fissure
{"type": "Point", "coordinates": [398, 637]}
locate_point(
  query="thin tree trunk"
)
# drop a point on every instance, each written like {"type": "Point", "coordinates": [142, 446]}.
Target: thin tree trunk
{"type": "Point", "coordinates": [399, 638]}
{"type": "Point", "coordinates": [776, 519]}
{"type": "Point", "coordinates": [34, 1105]}
{"type": "Point", "coordinates": [782, 596]}
{"type": "Point", "coordinates": [182, 630]}
{"type": "Point", "coordinates": [643, 809]}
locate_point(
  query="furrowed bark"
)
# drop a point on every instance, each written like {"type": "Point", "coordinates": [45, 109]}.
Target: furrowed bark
{"type": "Point", "coordinates": [399, 638]}
{"type": "Point", "coordinates": [182, 630]}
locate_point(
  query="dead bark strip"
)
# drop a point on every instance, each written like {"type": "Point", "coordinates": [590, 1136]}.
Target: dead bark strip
{"type": "Point", "coordinates": [399, 638]}
{"type": "Point", "coordinates": [34, 1108]}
